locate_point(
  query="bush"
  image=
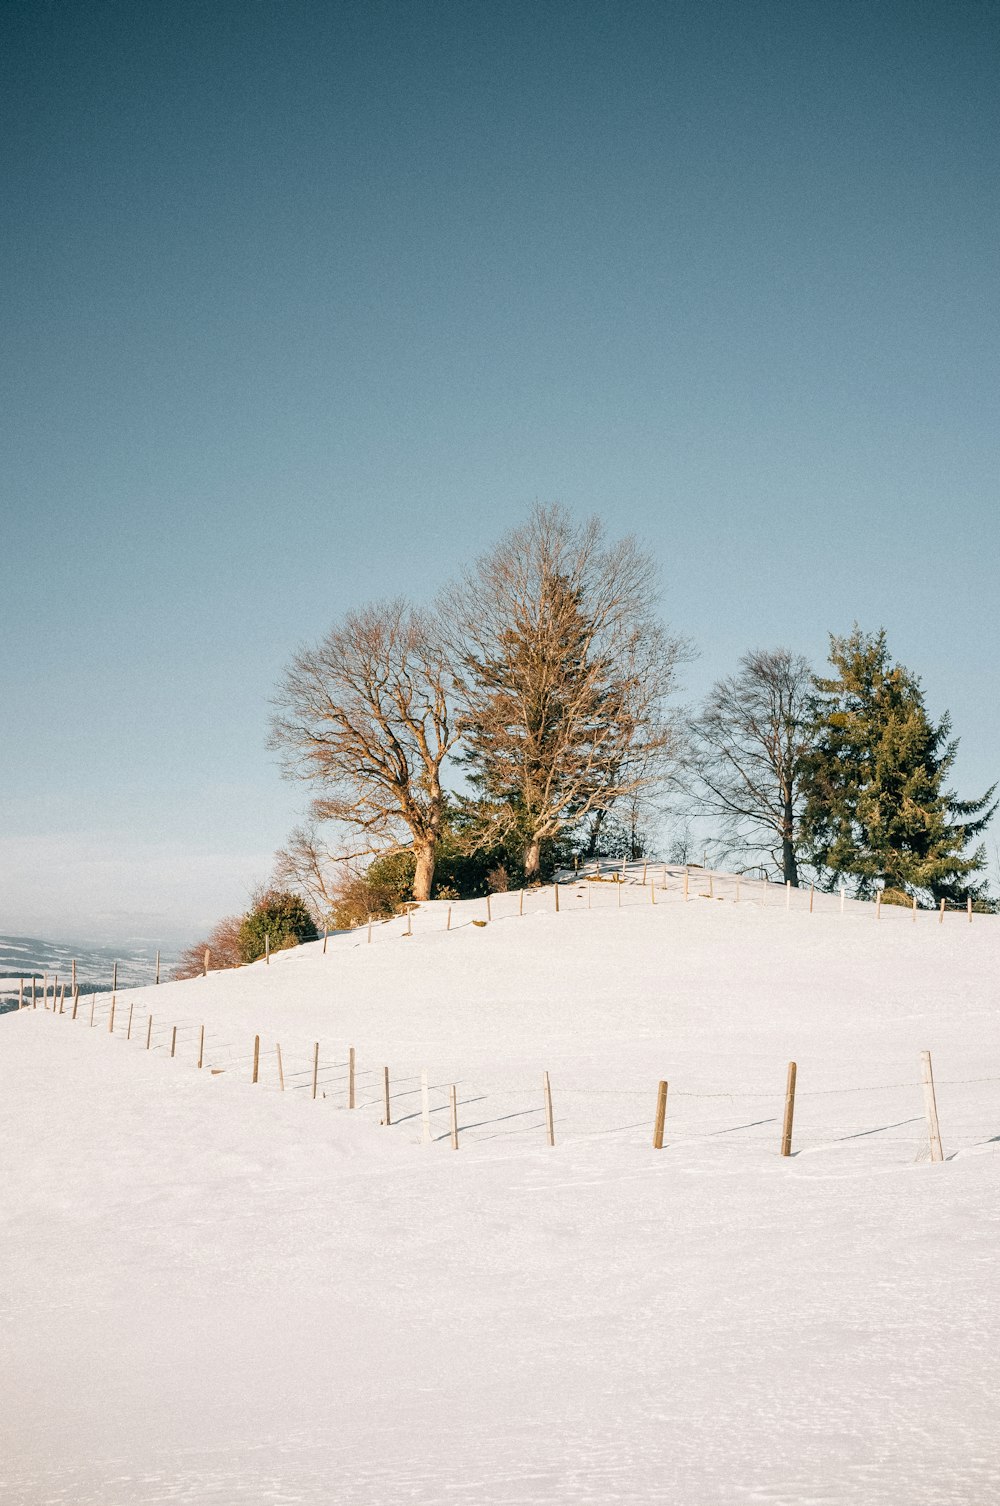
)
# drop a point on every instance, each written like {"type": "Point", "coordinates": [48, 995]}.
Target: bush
{"type": "Point", "coordinates": [280, 916]}
{"type": "Point", "coordinates": [222, 945]}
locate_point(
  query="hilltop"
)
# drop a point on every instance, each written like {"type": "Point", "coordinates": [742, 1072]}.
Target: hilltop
{"type": "Point", "coordinates": [221, 1291]}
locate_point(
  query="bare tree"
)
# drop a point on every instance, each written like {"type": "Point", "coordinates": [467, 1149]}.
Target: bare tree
{"type": "Point", "coordinates": [746, 756]}
{"type": "Point", "coordinates": [306, 865]}
{"type": "Point", "coordinates": [365, 718]}
{"type": "Point", "coordinates": [564, 673]}
{"type": "Point", "coordinates": [222, 946]}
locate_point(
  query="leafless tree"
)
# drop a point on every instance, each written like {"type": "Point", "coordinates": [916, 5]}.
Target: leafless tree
{"type": "Point", "coordinates": [745, 760]}
{"type": "Point", "coordinates": [222, 946]}
{"type": "Point", "coordinates": [365, 718]}
{"type": "Point", "coordinates": [564, 674]}
{"type": "Point", "coordinates": [307, 866]}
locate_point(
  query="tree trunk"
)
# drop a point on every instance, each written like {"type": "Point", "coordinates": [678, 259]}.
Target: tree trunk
{"type": "Point", "coordinates": [533, 859]}
{"type": "Point", "coordinates": [423, 876]}
{"type": "Point", "coordinates": [790, 869]}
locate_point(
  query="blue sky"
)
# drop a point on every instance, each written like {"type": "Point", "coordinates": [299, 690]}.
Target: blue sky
{"type": "Point", "coordinates": [304, 304]}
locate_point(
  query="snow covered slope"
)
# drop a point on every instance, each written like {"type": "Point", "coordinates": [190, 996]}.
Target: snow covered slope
{"type": "Point", "coordinates": [220, 1291]}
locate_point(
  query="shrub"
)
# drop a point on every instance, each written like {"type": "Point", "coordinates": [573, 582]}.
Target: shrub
{"type": "Point", "coordinates": [279, 915]}
{"type": "Point", "coordinates": [222, 945]}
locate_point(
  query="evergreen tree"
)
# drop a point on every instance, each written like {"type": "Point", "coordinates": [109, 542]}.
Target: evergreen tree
{"type": "Point", "coordinates": [877, 809]}
{"type": "Point", "coordinates": [279, 918]}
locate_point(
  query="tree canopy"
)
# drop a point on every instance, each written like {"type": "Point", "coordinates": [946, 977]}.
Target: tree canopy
{"type": "Point", "coordinates": [877, 806]}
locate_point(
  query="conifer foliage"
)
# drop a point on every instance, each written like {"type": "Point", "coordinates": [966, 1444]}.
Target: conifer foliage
{"type": "Point", "coordinates": [877, 807]}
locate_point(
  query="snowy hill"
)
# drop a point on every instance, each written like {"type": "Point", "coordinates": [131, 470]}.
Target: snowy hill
{"type": "Point", "coordinates": [22, 957]}
{"type": "Point", "coordinates": [226, 1291]}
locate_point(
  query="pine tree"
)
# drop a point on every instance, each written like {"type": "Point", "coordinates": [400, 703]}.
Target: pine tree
{"type": "Point", "coordinates": [877, 809]}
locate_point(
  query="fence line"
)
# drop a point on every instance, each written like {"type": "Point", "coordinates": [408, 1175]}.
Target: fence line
{"type": "Point", "coordinates": [450, 1096]}
{"type": "Point", "coordinates": [681, 881]}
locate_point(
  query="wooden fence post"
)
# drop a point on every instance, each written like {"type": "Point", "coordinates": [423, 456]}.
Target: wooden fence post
{"type": "Point", "coordinates": [173, 1042]}
{"type": "Point", "coordinates": [325, 934]}
{"type": "Point", "coordinates": [62, 998]}
{"type": "Point", "coordinates": [409, 922]}
{"type": "Point", "coordinates": [454, 1118]}
{"type": "Point", "coordinates": [149, 1031]}
{"type": "Point", "coordinates": [812, 896]}
{"type": "Point", "coordinates": [941, 914]}
{"type": "Point", "coordinates": [652, 893]}
{"type": "Point", "coordinates": [930, 1106]}
{"type": "Point", "coordinates": [34, 1001]}
{"type": "Point", "coordinates": [788, 894]}
{"type": "Point", "coordinates": [111, 1017]}
{"type": "Point", "coordinates": [385, 1096]}
{"type": "Point", "coordinates": [914, 907]}
{"type": "Point", "coordinates": [281, 1070]}
{"type": "Point", "coordinates": [93, 1001]}
{"type": "Point", "coordinates": [201, 1048]}
{"type": "Point", "coordinates": [520, 907]}
{"type": "Point", "coordinates": [489, 912]}
{"type": "Point", "coordinates": [76, 1000]}
{"type": "Point", "coordinates": [128, 1033]}
{"type": "Point", "coordinates": [661, 1114]}
{"type": "Point", "coordinates": [45, 990]}
{"type": "Point", "coordinates": [448, 923]}
{"type": "Point", "coordinates": [425, 1110]}
{"type": "Point", "coordinates": [786, 1129]}
{"type": "Point", "coordinates": [315, 1068]}
{"type": "Point", "coordinates": [114, 978]}
{"type": "Point", "coordinates": [267, 949]}
{"type": "Point", "coordinates": [711, 886]}
{"type": "Point", "coordinates": [878, 905]}
{"type": "Point", "coordinates": [644, 875]}
{"type": "Point", "coordinates": [256, 1058]}
{"type": "Point", "coordinates": [350, 1078]}
{"type": "Point", "coordinates": [555, 888]}
{"type": "Point", "coordinates": [685, 883]}
{"type": "Point", "coordinates": [968, 906]}
{"type": "Point", "coordinates": [208, 956]}
{"type": "Point", "coordinates": [619, 886]}
{"type": "Point", "coordinates": [73, 974]}
{"type": "Point", "coordinates": [549, 1122]}
{"type": "Point", "coordinates": [20, 995]}
{"type": "Point", "coordinates": [157, 966]}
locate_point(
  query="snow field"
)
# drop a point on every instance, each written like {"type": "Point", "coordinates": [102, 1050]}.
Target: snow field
{"type": "Point", "coordinates": [222, 1292]}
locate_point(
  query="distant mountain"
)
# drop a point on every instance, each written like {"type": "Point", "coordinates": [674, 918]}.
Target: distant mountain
{"type": "Point", "coordinates": [27, 956]}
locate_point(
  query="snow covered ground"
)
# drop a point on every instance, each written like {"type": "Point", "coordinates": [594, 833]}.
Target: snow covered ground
{"type": "Point", "coordinates": [218, 1292]}
{"type": "Point", "coordinates": [22, 956]}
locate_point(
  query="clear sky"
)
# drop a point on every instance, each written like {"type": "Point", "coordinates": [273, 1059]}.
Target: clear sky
{"type": "Point", "coordinates": [304, 303]}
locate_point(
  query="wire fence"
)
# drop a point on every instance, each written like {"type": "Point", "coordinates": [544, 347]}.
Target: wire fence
{"type": "Point", "coordinates": [507, 1109]}
{"type": "Point", "coordinates": [404, 1099]}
